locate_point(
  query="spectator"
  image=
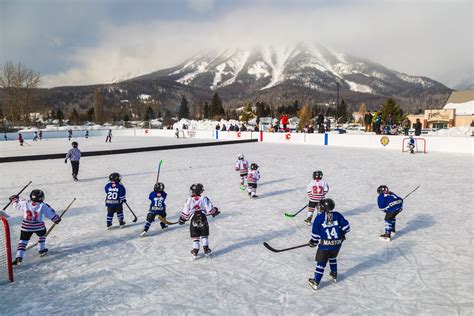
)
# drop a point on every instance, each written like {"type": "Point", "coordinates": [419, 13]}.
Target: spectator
{"type": "Point", "coordinates": [243, 128]}
{"type": "Point", "coordinates": [328, 124]}
{"type": "Point", "coordinates": [224, 128]}
{"type": "Point", "coordinates": [218, 127]}
{"type": "Point", "coordinates": [406, 126]}
{"type": "Point", "coordinates": [320, 122]}
{"type": "Point", "coordinates": [311, 129]}
{"type": "Point", "coordinates": [284, 120]}
{"type": "Point", "coordinates": [389, 120]}
{"type": "Point", "coordinates": [256, 128]}
{"type": "Point", "coordinates": [236, 127]}
{"type": "Point", "coordinates": [271, 129]}
{"type": "Point", "coordinates": [378, 125]}
{"type": "Point", "coordinates": [417, 127]}
{"type": "Point", "coordinates": [368, 122]}
{"type": "Point", "coordinates": [374, 120]}
{"type": "Point", "coordinates": [394, 130]}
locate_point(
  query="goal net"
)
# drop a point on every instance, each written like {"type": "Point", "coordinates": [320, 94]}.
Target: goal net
{"type": "Point", "coordinates": [6, 271]}
{"type": "Point", "coordinates": [420, 145]}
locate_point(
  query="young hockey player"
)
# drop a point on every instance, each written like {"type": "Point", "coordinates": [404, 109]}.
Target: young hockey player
{"type": "Point", "coordinates": [411, 144]}
{"type": "Point", "coordinates": [391, 204]}
{"type": "Point", "coordinates": [115, 197]}
{"type": "Point", "coordinates": [74, 154]}
{"type": "Point", "coordinates": [252, 179]}
{"type": "Point", "coordinates": [329, 231]}
{"type": "Point", "coordinates": [20, 139]}
{"type": "Point", "coordinates": [33, 212]}
{"type": "Point", "coordinates": [157, 207]}
{"type": "Point", "coordinates": [196, 209]}
{"type": "Point", "coordinates": [242, 166]}
{"type": "Point", "coordinates": [109, 136]}
{"type": "Point", "coordinates": [35, 137]}
{"type": "Point", "coordinates": [317, 190]}
{"type": "Point", "coordinates": [69, 134]}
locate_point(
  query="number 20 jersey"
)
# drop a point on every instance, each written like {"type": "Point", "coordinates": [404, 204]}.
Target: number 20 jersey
{"type": "Point", "coordinates": [317, 190]}
{"type": "Point", "coordinates": [115, 194]}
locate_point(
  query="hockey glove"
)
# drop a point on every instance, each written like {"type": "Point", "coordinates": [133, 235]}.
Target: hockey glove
{"type": "Point", "coordinates": [313, 243]}
{"type": "Point", "coordinates": [14, 198]}
{"type": "Point", "coordinates": [56, 219]}
{"type": "Point", "coordinates": [214, 212]}
{"type": "Point", "coordinates": [181, 221]}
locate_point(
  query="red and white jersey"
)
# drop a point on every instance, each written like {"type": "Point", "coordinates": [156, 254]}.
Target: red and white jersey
{"type": "Point", "coordinates": [317, 190]}
{"type": "Point", "coordinates": [253, 176]}
{"type": "Point", "coordinates": [195, 204]}
{"type": "Point", "coordinates": [33, 213]}
{"type": "Point", "coordinates": [242, 166]}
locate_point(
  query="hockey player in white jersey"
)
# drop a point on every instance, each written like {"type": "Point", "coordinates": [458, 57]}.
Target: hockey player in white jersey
{"type": "Point", "coordinates": [242, 166]}
{"type": "Point", "coordinates": [252, 179]}
{"type": "Point", "coordinates": [317, 190]}
{"type": "Point", "coordinates": [196, 209]}
{"type": "Point", "coordinates": [33, 212]}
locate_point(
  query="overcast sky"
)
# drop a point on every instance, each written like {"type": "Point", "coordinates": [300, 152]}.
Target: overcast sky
{"type": "Point", "coordinates": [72, 42]}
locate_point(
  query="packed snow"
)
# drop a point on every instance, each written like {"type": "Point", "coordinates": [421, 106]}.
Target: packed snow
{"type": "Point", "coordinates": [426, 269]}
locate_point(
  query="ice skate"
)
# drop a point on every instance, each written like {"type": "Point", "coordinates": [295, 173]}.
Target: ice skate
{"type": "Point", "coordinates": [194, 253]}
{"type": "Point", "coordinates": [43, 252]}
{"type": "Point", "coordinates": [385, 237]}
{"type": "Point", "coordinates": [333, 276]}
{"type": "Point", "coordinates": [313, 284]}
{"type": "Point", "coordinates": [143, 233]}
{"type": "Point", "coordinates": [122, 224]}
{"type": "Point", "coordinates": [308, 220]}
{"type": "Point", "coordinates": [17, 261]}
{"type": "Point", "coordinates": [207, 251]}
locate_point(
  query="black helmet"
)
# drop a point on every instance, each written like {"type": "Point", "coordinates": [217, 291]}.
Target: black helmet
{"type": "Point", "coordinates": [115, 177]}
{"type": "Point", "coordinates": [253, 166]}
{"type": "Point", "coordinates": [327, 205]}
{"type": "Point", "coordinates": [318, 174]}
{"type": "Point", "coordinates": [37, 195]}
{"type": "Point", "coordinates": [240, 156]}
{"type": "Point", "coordinates": [159, 187]}
{"type": "Point", "coordinates": [382, 189]}
{"type": "Point", "coordinates": [196, 189]}
{"type": "Point", "coordinates": [74, 144]}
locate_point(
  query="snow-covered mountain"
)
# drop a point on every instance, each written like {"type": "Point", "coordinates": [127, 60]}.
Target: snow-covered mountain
{"type": "Point", "coordinates": [310, 66]}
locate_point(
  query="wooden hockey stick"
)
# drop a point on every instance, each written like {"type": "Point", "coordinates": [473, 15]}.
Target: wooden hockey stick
{"type": "Point", "coordinates": [21, 191]}
{"type": "Point", "coordinates": [285, 249]}
{"type": "Point", "coordinates": [164, 220]}
{"type": "Point", "coordinates": [52, 226]}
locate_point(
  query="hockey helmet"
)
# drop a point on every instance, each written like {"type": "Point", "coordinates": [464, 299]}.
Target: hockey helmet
{"type": "Point", "coordinates": [196, 189]}
{"type": "Point", "coordinates": [327, 205]}
{"type": "Point", "coordinates": [74, 144]}
{"type": "Point", "coordinates": [240, 156]}
{"type": "Point", "coordinates": [159, 186]}
{"type": "Point", "coordinates": [318, 174]}
{"type": "Point", "coordinates": [253, 166]}
{"type": "Point", "coordinates": [382, 189]}
{"type": "Point", "coordinates": [37, 195]}
{"type": "Point", "coordinates": [115, 177]}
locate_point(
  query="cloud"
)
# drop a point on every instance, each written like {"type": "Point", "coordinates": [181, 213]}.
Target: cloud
{"type": "Point", "coordinates": [433, 39]}
{"type": "Point", "coordinates": [201, 5]}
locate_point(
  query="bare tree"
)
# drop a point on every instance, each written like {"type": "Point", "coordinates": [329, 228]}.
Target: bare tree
{"type": "Point", "coordinates": [19, 84]}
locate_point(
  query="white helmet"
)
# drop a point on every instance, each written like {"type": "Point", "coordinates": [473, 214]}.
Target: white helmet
{"type": "Point", "coordinates": [240, 156]}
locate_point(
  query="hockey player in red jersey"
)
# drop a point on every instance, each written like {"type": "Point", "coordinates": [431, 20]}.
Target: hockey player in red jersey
{"type": "Point", "coordinates": [196, 209]}
{"type": "Point", "coordinates": [33, 212]}
{"type": "Point", "coordinates": [317, 190]}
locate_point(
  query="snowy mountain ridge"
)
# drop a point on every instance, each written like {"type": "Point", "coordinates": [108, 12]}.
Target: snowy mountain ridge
{"type": "Point", "coordinates": [307, 65]}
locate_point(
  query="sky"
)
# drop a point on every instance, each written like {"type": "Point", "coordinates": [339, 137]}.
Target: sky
{"type": "Point", "coordinates": [79, 42]}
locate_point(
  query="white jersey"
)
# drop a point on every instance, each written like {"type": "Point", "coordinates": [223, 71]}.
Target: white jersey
{"type": "Point", "coordinates": [33, 213]}
{"type": "Point", "coordinates": [196, 204]}
{"type": "Point", "coordinates": [253, 177]}
{"type": "Point", "coordinates": [242, 166]}
{"type": "Point", "coordinates": [317, 190]}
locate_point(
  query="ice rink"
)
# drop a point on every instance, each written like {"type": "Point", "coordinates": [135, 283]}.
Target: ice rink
{"type": "Point", "coordinates": [426, 269]}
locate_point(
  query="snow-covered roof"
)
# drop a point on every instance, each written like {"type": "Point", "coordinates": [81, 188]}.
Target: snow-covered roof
{"type": "Point", "coordinates": [466, 108]}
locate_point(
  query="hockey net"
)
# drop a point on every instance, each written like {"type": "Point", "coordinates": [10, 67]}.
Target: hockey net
{"type": "Point", "coordinates": [6, 271]}
{"type": "Point", "coordinates": [420, 145]}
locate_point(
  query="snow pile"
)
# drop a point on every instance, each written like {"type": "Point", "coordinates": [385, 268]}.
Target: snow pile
{"type": "Point", "coordinates": [454, 131]}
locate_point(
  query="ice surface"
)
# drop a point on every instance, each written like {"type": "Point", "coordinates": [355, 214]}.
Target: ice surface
{"type": "Point", "coordinates": [426, 269]}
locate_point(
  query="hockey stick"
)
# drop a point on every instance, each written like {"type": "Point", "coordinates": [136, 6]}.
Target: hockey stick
{"type": "Point", "coordinates": [411, 192]}
{"type": "Point", "coordinates": [158, 174]}
{"type": "Point", "coordinates": [21, 191]}
{"type": "Point", "coordinates": [135, 216]}
{"type": "Point", "coordinates": [285, 249]}
{"type": "Point", "coordinates": [293, 215]}
{"type": "Point", "coordinates": [164, 220]}
{"type": "Point", "coordinates": [54, 224]}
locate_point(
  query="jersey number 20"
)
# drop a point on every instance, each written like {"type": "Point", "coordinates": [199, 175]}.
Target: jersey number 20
{"type": "Point", "coordinates": [112, 196]}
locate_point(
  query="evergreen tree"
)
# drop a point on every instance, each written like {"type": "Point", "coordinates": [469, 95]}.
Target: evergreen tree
{"type": "Point", "coordinates": [149, 114]}
{"type": "Point", "coordinates": [60, 115]}
{"type": "Point", "coordinates": [216, 106]}
{"type": "Point", "coordinates": [206, 111]}
{"type": "Point", "coordinates": [341, 112]}
{"type": "Point", "coordinates": [90, 115]}
{"type": "Point", "coordinates": [260, 109]}
{"type": "Point", "coordinates": [98, 104]}
{"type": "Point", "coordinates": [305, 117]}
{"type": "Point", "coordinates": [390, 106]}
{"type": "Point", "coordinates": [74, 117]}
{"type": "Point", "coordinates": [183, 108]}
{"type": "Point", "coordinates": [247, 113]}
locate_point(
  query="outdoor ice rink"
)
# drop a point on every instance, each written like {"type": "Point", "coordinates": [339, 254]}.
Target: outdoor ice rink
{"type": "Point", "coordinates": [426, 269]}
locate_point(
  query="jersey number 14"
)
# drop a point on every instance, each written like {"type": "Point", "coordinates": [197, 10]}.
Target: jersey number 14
{"type": "Point", "coordinates": [331, 233]}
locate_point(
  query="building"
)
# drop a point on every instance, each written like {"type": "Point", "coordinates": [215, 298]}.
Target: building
{"type": "Point", "coordinates": [458, 111]}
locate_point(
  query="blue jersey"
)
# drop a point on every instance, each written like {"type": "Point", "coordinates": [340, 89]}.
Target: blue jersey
{"type": "Point", "coordinates": [330, 233]}
{"type": "Point", "coordinates": [390, 202]}
{"type": "Point", "coordinates": [157, 201]}
{"type": "Point", "coordinates": [115, 194]}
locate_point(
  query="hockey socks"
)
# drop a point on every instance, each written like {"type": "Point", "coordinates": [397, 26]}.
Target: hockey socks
{"type": "Point", "coordinates": [389, 226]}
{"type": "Point", "coordinates": [20, 252]}
{"type": "Point", "coordinates": [318, 274]}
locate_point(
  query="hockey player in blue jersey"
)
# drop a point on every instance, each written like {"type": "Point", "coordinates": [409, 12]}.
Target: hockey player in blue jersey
{"type": "Point", "coordinates": [411, 144]}
{"type": "Point", "coordinates": [115, 197]}
{"type": "Point", "coordinates": [391, 204]}
{"type": "Point", "coordinates": [329, 231]}
{"type": "Point", "coordinates": [157, 207]}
